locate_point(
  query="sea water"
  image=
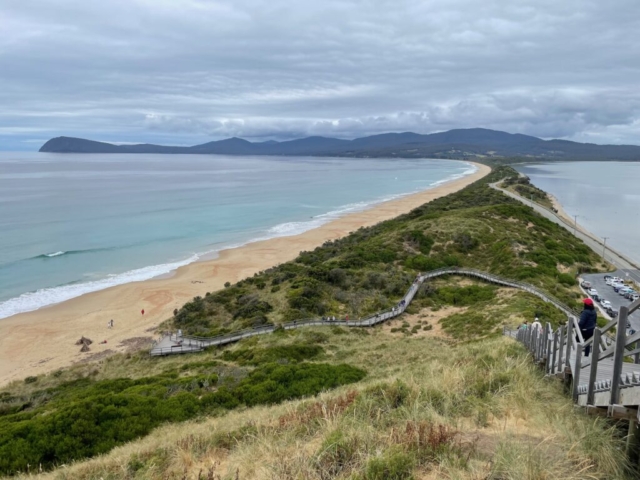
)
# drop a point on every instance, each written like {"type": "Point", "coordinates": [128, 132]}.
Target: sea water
{"type": "Point", "coordinates": [73, 223]}
{"type": "Point", "coordinates": [604, 195]}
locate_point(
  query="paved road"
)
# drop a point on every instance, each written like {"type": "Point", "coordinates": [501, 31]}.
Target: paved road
{"type": "Point", "coordinates": [607, 292]}
{"type": "Point", "coordinates": [616, 258]}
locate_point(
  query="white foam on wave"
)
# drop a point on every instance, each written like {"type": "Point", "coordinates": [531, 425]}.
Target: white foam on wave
{"type": "Point", "coordinates": [30, 301]}
{"type": "Point", "coordinates": [295, 228]}
{"type": "Point", "coordinates": [469, 171]}
{"type": "Point", "coordinates": [289, 229]}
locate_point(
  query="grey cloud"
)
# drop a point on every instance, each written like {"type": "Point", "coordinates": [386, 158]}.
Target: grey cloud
{"type": "Point", "coordinates": [197, 70]}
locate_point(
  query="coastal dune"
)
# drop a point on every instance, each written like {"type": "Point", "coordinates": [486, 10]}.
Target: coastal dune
{"type": "Point", "coordinates": [42, 341]}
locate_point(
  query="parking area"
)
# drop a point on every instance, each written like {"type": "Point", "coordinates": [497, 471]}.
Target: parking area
{"type": "Point", "coordinates": [607, 292]}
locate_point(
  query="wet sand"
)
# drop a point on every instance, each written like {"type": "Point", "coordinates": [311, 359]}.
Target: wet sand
{"type": "Point", "coordinates": [37, 342]}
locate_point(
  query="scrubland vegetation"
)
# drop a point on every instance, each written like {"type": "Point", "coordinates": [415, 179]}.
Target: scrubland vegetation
{"type": "Point", "coordinates": [423, 399]}
{"type": "Point", "coordinates": [522, 185]}
{"type": "Point", "coordinates": [371, 269]}
{"type": "Point", "coordinates": [430, 407]}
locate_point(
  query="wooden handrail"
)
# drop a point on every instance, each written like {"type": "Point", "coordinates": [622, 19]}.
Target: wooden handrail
{"type": "Point", "coordinates": [605, 368]}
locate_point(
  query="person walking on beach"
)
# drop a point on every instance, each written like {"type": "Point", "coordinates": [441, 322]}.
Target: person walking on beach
{"type": "Point", "coordinates": [142, 311]}
{"type": "Point", "coordinates": [588, 322]}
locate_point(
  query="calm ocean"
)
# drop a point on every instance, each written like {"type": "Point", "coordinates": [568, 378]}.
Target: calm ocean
{"type": "Point", "coordinates": [73, 224]}
{"type": "Point", "coordinates": [604, 195]}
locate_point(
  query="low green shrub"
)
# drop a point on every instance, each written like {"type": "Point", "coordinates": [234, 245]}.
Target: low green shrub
{"type": "Point", "coordinates": [393, 465]}
{"type": "Point", "coordinates": [257, 356]}
{"type": "Point", "coordinates": [87, 418]}
{"type": "Point", "coordinates": [566, 279]}
{"type": "Point", "coordinates": [462, 296]}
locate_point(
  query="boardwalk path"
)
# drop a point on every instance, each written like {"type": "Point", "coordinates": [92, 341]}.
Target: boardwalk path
{"type": "Point", "coordinates": [171, 344]}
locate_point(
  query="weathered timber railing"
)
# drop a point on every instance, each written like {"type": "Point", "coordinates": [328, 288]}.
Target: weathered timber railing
{"type": "Point", "coordinates": [603, 370]}
{"type": "Point", "coordinates": [172, 344]}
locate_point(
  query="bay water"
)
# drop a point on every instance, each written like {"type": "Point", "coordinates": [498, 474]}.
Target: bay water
{"type": "Point", "coordinates": [604, 195]}
{"type": "Point", "coordinates": [74, 223]}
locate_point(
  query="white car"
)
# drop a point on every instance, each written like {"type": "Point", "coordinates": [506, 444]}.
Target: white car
{"type": "Point", "coordinates": [609, 281]}
{"type": "Point", "coordinates": [606, 304]}
{"type": "Point", "coordinates": [592, 291]}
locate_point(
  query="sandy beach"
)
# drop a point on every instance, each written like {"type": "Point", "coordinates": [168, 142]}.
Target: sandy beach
{"type": "Point", "coordinates": [42, 341]}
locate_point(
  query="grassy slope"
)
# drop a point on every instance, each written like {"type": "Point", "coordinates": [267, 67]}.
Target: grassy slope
{"type": "Point", "coordinates": [429, 408]}
{"type": "Point", "coordinates": [439, 399]}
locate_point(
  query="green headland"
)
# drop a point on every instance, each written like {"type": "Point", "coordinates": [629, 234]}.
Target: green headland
{"type": "Point", "coordinates": [438, 393]}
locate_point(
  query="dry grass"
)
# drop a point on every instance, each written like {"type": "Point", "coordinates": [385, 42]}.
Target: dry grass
{"type": "Point", "coordinates": [429, 409]}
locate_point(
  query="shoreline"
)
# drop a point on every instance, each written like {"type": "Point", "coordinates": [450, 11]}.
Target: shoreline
{"type": "Point", "coordinates": [562, 213]}
{"type": "Point", "coordinates": [43, 340]}
{"type": "Point", "coordinates": [48, 296]}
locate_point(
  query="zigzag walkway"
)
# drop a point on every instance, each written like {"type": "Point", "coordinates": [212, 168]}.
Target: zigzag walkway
{"type": "Point", "coordinates": [172, 344]}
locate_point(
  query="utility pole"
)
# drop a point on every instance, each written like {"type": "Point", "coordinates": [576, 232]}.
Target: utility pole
{"type": "Point", "coordinates": [604, 247]}
{"type": "Point", "coordinates": [575, 224]}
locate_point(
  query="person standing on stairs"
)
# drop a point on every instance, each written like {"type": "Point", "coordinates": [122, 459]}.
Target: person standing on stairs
{"type": "Point", "coordinates": [588, 322]}
{"type": "Point", "coordinates": [536, 325]}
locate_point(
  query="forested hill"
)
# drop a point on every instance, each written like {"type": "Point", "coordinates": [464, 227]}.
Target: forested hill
{"type": "Point", "coordinates": [460, 143]}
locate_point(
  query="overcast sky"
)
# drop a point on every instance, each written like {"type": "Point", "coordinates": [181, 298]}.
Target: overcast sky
{"type": "Point", "coordinates": [190, 71]}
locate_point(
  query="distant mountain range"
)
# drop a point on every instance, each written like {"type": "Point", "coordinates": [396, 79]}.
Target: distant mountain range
{"type": "Point", "coordinates": [460, 143]}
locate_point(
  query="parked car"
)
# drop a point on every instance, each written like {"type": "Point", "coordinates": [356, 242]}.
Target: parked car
{"type": "Point", "coordinates": [585, 284]}
{"type": "Point", "coordinates": [606, 304]}
{"type": "Point", "coordinates": [630, 293]}
{"type": "Point", "coordinates": [635, 297]}
{"type": "Point", "coordinates": [618, 286]}
{"type": "Point", "coordinates": [607, 277]}
{"type": "Point", "coordinates": [612, 313]}
{"type": "Point", "coordinates": [623, 290]}
{"type": "Point", "coordinates": [592, 292]}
